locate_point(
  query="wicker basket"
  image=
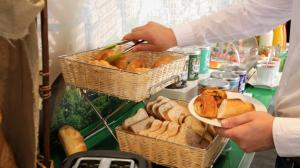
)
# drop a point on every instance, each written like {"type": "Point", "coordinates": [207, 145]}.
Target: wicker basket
{"type": "Point", "coordinates": [168, 153]}
{"type": "Point", "coordinates": [125, 85]}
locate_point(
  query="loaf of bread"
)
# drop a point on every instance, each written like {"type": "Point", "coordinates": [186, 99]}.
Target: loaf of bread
{"type": "Point", "coordinates": [181, 119]}
{"type": "Point", "coordinates": [160, 131]}
{"type": "Point", "coordinates": [186, 136]}
{"type": "Point", "coordinates": [198, 128]}
{"type": "Point", "coordinates": [171, 131]}
{"type": "Point", "coordinates": [173, 114]}
{"type": "Point", "coordinates": [102, 63]}
{"type": "Point", "coordinates": [206, 106]}
{"type": "Point", "coordinates": [141, 125]}
{"type": "Point", "coordinates": [156, 124]}
{"type": "Point", "coordinates": [71, 140]}
{"type": "Point", "coordinates": [233, 107]}
{"type": "Point", "coordinates": [140, 115]}
{"type": "Point", "coordinates": [212, 131]}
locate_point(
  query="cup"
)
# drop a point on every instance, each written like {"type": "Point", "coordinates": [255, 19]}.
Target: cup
{"type": "Point", "coordinates": [274, 61]}
{"type": "Point", "coordinates": [266, 74]}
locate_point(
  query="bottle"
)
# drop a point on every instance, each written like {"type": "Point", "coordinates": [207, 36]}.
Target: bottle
{"type": "Point", "coordinates": [266, 40]}
{"type": "Point", "coordinates": [278, 37]}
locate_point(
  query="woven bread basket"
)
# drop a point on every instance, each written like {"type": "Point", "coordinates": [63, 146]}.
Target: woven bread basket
{"type": "Point", "coordinates": [119, 83]}
{"type": "Point", "coordinates": [170, 154]}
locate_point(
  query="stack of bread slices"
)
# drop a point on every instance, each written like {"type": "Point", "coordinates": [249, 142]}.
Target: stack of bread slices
{"type": "Point", "coordinates": [169, 120]}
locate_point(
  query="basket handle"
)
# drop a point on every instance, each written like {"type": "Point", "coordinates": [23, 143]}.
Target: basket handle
{"type": "Point", "coordinates": [157, 87]}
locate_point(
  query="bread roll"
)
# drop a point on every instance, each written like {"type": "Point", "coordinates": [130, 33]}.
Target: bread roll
{"type": "Point", "coordinates": [156, 124]}
{"type": "Point", "coordinates": [140, 115]}
{"type": "Point", "coordinates": [141, 125]}
{"type": "Point", "coordinates": [162, 61]}
{"type": "Point", "coordinates": [71, 140]}
{"type": "Point", "coordinates": [105, 54]}
{"type": "Point", "coordinates": [134, 64]}
{"type": "Point", "coordinates": [206, 106]}
{"type": "Point", "coordinates": [121, 63]}
{"type": "Point", "coordinates": [102, 63]}
{"type": "Point", "coordinates": [140, 70]}
{"type": "Point", "coordinates": [233, 107]}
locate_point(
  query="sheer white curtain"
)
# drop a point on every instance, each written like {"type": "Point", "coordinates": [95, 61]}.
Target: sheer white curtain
{"type": "Point", "coordinates": [87, 24]}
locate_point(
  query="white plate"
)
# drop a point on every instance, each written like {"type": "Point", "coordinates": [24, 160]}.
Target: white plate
{"type": "Point", "coordinates": [230, 95]}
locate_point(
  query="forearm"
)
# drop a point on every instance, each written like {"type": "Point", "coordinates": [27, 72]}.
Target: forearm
{"type": "Point", "coordinates": [286, 136]}
{"type": "Point", "coordinates": [252, 17]}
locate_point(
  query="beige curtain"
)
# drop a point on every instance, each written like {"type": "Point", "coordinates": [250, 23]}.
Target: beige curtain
{"type": "Point", "coordinates": [19, 78]}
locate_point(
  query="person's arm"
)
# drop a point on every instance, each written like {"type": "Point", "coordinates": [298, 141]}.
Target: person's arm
{"type": "Point", "coordinates": [249, 18]}
{"type": "Point", "coordinates": [252, 17]}
{"type": "Point", "coordinates": [286, 136]}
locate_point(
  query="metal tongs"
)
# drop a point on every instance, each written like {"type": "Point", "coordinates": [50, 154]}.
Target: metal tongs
{"type": "Point", "coordinates": [118, 55]}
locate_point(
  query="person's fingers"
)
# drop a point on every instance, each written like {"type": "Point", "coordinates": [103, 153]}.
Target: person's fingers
{"type": "Point", "coordinates": [224, 132]}
{"type": "Point", "coordinates": [236, 120]}
{"type": "Point", "coordinates": [235, 133]}
{"type": "Point", "coordinates": [145, 47]}
{"type": "Point", "coordinates": [138, 28]}
{"type": "Point", "coordinates": [138, 35]}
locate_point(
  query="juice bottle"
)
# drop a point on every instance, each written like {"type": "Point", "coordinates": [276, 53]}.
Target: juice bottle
{"type": "Point", "coordinates": [278, 37]}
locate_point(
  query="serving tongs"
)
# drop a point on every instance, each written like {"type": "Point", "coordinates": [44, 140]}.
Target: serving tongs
{"type": "Point", "coordinates": [118, 55]}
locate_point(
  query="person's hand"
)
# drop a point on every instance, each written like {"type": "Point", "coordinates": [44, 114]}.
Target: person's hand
{"type": "Point", "coordinates": [158, 37]}
{"type": "Point", "coordinates": [252, 131]}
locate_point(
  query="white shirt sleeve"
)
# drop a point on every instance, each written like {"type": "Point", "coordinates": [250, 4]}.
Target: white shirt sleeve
{"type": "Point", "coordinates": [286, 136]}
{"type": "Point", "coordinates": [249, 18]}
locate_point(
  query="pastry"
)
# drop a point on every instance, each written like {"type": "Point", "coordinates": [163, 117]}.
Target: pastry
{"type": "Point", "coordinates": [71, 140]}
{"type": "Point", "coordinates": [219, 95]}
{"type": "Point", "coordinates": [206, 106]}
{"type": "Point", "coordinates": [233, 107]}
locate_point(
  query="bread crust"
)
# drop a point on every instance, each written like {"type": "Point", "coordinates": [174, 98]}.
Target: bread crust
{"type": "Point", "coordinates": [234, 107]}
